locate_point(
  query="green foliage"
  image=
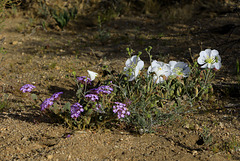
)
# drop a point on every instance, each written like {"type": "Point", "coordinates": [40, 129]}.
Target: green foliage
{"type": "Point", "coordinates": [103, 35]}
{"type": "Point", "coordinates": [3, 101]}
{"type": "Point", "coordinates": [2, 12]}
{"type": "Point", "coordinates": [43, 10]}
{"type": "Point", "coordinates": [150, 104]}
{"type": "Point", "coordinates": [206, 136]}
{"type": "Point", "coordinates": [73, 12]}
{"type": "Point", "coordinates": [63, 16]}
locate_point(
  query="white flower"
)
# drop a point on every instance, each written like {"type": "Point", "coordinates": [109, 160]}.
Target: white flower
{"type": "Point", "coordinates": [92, 74]}
{"type": "Point", "coordinates": [159, 69]}
{"type": "Point", "coordinates": [180, 69]}
{"type": "Point", "coordinates": [133, 67]}
{"type": "Point", "coordinates": [209, 59]}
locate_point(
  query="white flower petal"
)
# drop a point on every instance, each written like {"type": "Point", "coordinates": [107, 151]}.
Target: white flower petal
{"type": "Point", "coordinates": [214, 53]}
{"type": "Point", "coordinates": [208, 52]}
{"type": "Point", "coordinates": [217, 65]}
{"type": "Point", "coordinates": [204, 66]}
{"type": "Point", "coordinates": [92, 74]}
{"type": "Point", "coordinates": [140, 64]}
{"type": "Point", "coordinates": [172, 64]}
{"type": "Point", "coordinates": [209, 65]}
{"type": "Point", "coordinates": [154, 63]}
{"type": "Point", "coordinates": [201, 60]}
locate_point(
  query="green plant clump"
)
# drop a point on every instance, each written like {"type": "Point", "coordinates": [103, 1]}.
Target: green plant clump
{"type": "Point", "coordinates": [62, 17]}
{"type": "Point", "coordinates": [137, 100]}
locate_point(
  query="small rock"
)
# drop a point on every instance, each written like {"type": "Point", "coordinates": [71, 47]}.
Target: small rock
{"type": "Point", "coordinates": [50, 157]}
{"type": "Point", "coordinates": [99, 54]}
{"type": "Point", "coordinates": [14, 42]}
{"type": "Point", "coordinates": [196, 127]}
{"type": "Point", "coordinates": [221, 125]}
{"type": "Point", "coordinates": [57, 68]}
{"type": "Point", "coordinates": [62, 51]}
{"type": "Point", "coordinates": [187, 126]}
{"type": "Point", "coordinates": [194, 152]}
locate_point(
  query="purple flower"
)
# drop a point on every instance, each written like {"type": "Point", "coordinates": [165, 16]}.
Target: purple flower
{"type": "Point", "coordinates": [91, 97]}
{"type": "Point", "coordinates": [98, 108]}
{"type": "Point", "coordinates": [84, 80]}
{"type": "Point", "coordinates": [120, 109]}
{"type": "Point", "coordinates": [76, 110]}
{"type": "Point", "coordinates": [56, 96]}
{"type": "Point", "coordinates": [46, 104]}
{"type": "Point", "coordinates": [27, 88]}
{"type": "Point", "coordinates": [68, 136]}
{"type": "Point", "coordinates": [102, 90]}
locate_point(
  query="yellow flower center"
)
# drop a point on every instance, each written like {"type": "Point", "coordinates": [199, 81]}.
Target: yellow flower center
{"type": "Point", "coordinates": [178, 71]}
{"type": "Point", "coordinates": [210, 60]}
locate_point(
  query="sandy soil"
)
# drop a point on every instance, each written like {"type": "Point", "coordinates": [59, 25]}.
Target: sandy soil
{"type": "Point", "coordinates": [47, 58]}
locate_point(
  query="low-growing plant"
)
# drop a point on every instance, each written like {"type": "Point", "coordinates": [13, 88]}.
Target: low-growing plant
{"type": "Point", "coordinates": [3, 101]}
{"type": "Point", "coordinates": [63, 16]}
{"type": "Point", "coordinates": [139, 100]}
{"type": "Point", "coordinates": [206, 136]}
{"type": "Point", "coordinates": [103, 35]}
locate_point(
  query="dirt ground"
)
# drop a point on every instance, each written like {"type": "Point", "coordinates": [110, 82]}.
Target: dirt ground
{"type": "Point", "coordinates": [47, 58]}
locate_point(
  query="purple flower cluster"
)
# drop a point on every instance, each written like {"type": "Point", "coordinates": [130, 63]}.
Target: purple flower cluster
{"type": "Point", "coordinates": [49, 101]}
{"type": "Point", "coordinates": [120, 109]}
{"type": "Point", "coordinates": [56, 96]}
{"type": "Point", "coordinates": [84, 80]}
{"type": "Point", "coordinates": [102, 90]}
{"type": "Point", "coordinates": [27, 88]}
{"type": "Point", "coordinates": [46, 104]}
{"type": "Point", "coordinates": [76, 110]}
{"type": "Point", "coordinates": [92, 97]}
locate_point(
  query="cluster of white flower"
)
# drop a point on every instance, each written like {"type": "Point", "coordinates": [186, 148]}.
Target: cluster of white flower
{"type": "Point", "coordinates": [133, 67]}
{"type": "Point", "coordinates": [161, 71]}
{"type": "Point", "coordinates": [209, 59]}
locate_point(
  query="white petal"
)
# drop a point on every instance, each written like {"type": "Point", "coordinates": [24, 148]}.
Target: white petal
{"type": "Point", "coordinates": [217, 58]}
{"type": "Point", "coordinates": [181, 65]}
{"type": "Point", "coordinates": [214, 53]}
{"type": "Point", "coordinates": [149, 70]}
{"type": "Point", "coordinates": [201, 60]}
{"type": "Point", "coordinates": [155, 79]}
{"type": "Point", "coordinates": [140, 65]}
{"type": "Point", "coordinates": [203, 54]}
{"type": "Point", "coordinates": [128, 63]}
{"type": "Point", "coordinates": [134, 59]}
{"type": "Point", "coordinates": [209, 65]}
{"type": "Point", "coordinates": [217, 65]}
{"type": "Point", "coordinates": [160, 80]}
{"type": "Point", "coordinates": [208, 52]}
{"type": "Point", "coordinates": [132, 76]}
{"type": "Point", "coordinates": [172, 64]}
{"type": "Point", "coordinates": [154, 63]}
{"type": "Point", "coordinates": [92, 74]}
{"type": "Point", "coordinates": [204, 66]}
{"type": "Point", "coordinates": [136, 72]}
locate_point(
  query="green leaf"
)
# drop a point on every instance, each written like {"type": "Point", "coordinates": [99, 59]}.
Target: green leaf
{"type": "Point", "coordinates": [55, 108]}
{"type": "Point", "coordinates": [34, 96]}
{"type": "Point", "coordinates": [67, 106]}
